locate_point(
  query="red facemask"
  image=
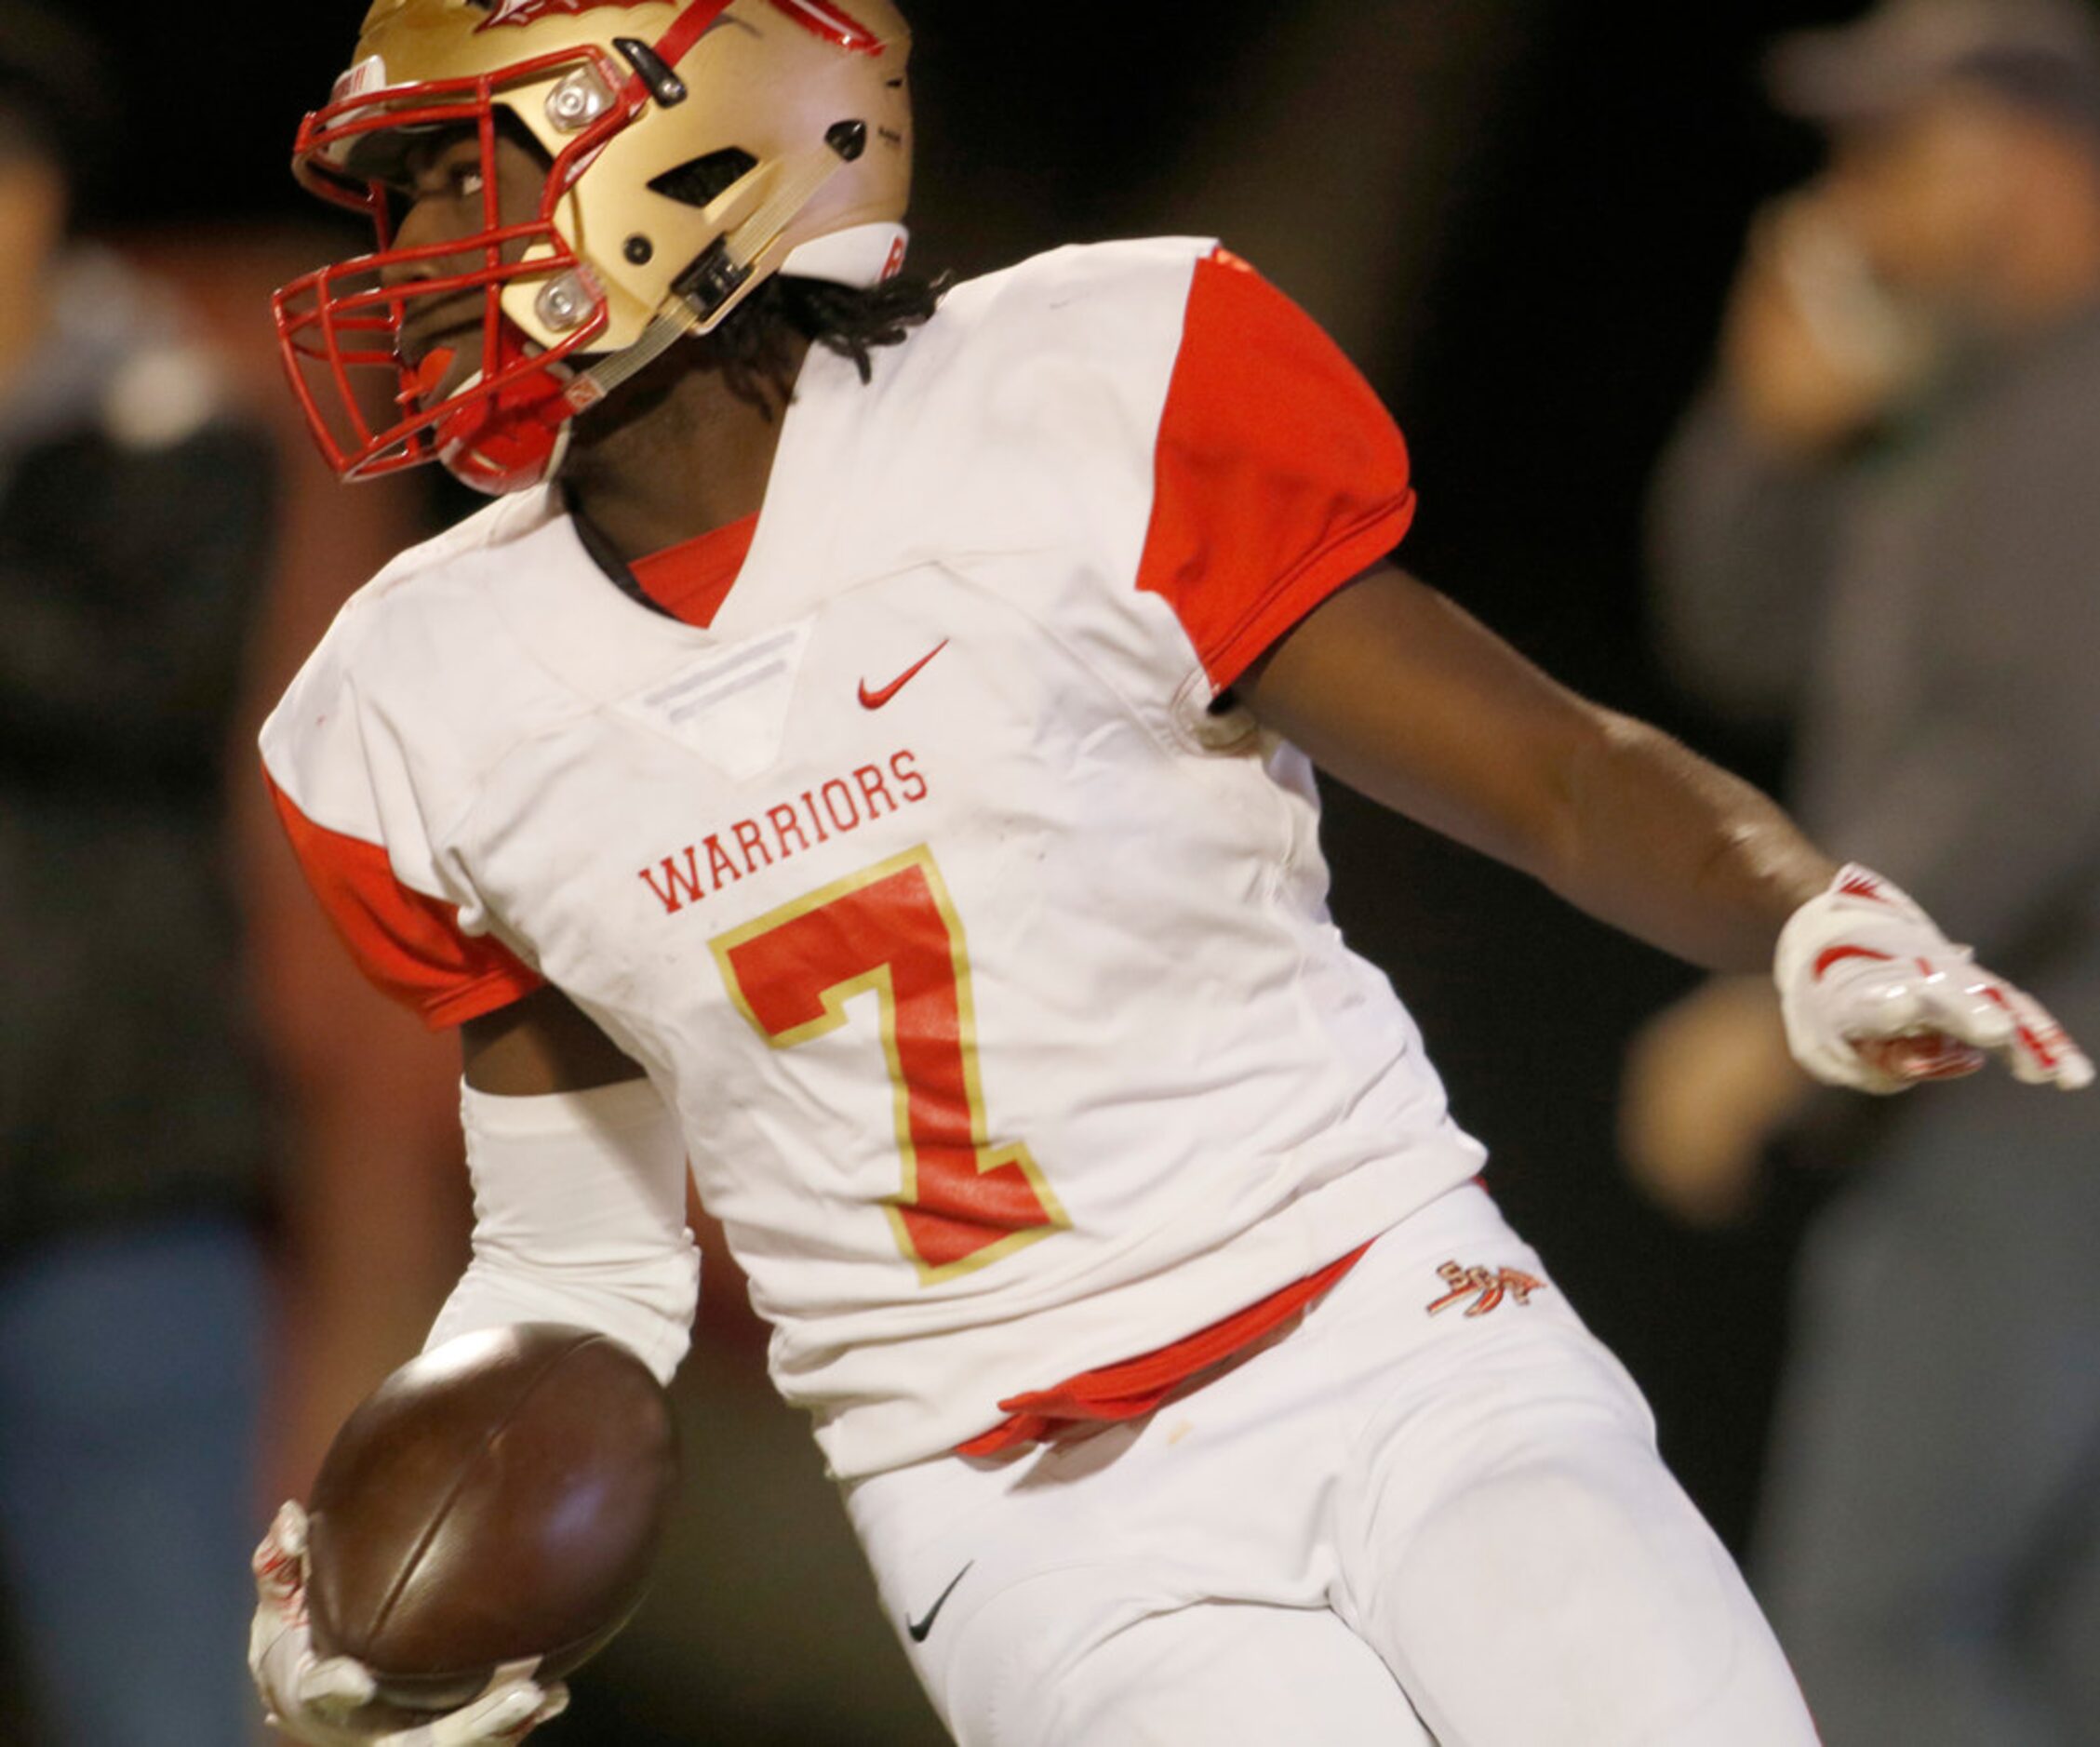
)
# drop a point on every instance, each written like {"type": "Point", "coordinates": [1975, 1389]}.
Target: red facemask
{"type": "Point", "coordinates": [340, 328]}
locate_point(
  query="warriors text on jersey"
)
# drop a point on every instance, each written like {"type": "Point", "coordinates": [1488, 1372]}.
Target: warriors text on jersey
{"type": "Point", "coordinates": [987, 965]}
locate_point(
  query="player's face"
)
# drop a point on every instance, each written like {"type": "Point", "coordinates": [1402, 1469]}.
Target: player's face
{"type": "Point", "coordinates": [442, 184]}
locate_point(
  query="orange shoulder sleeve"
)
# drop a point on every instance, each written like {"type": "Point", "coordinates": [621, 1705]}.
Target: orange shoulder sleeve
{"type": "Point", "coordinates": [409, 945]}
{"type": "Point", "coordinates": [1280, 474]}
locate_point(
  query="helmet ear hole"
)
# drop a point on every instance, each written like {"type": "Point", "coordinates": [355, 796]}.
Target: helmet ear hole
{"type": "Point", "coordinates": [703, 180]}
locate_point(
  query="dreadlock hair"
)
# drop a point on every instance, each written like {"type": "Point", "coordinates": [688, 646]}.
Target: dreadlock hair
{"type": "Point", "coordinates": [754, 348]}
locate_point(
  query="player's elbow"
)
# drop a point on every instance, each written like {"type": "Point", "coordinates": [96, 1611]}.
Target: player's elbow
{"type": "Point", "coordinates": [1560, 821]}
{"type": "Point", "coordinates": [1610, 769]}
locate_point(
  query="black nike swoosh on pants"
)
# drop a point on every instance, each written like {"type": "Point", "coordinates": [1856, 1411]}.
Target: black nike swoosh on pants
{"type": "Point", "coordinates": [920, 1628]}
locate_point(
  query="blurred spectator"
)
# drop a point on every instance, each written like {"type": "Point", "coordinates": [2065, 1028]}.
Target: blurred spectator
{"type": "Point", "coordinates": [1881, 528]}
{"type": "Point", "coordinates": [366, 1106]}
{"type": "Point", "coordinates": [134, 520]}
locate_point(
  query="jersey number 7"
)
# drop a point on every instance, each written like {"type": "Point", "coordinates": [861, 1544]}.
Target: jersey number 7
{"type": "Point", "coordinates": [893, 930]}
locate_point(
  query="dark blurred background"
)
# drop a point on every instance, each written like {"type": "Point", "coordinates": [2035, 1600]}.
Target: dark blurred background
{"type": "Point", "coordinates": [1520, 217]}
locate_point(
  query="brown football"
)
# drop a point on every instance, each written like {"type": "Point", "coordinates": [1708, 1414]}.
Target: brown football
{"type": "Point", "coordinates": [497, 1500]}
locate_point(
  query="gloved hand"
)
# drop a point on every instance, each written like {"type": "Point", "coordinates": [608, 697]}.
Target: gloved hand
{"type": "Point", "coordinates": [313, 1699]}
{"type": "Point", "coordinates": [1876, 998]}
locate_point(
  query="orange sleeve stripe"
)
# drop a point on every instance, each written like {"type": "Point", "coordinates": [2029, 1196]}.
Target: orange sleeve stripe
{"type": "Point", "coordinates": [408, 945]}
{"type": "Point", "coordinates": [1280, 476]}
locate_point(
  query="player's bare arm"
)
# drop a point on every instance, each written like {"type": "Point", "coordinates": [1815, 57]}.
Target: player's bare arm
{"type": "Point", "coordinates": [1401, 693]}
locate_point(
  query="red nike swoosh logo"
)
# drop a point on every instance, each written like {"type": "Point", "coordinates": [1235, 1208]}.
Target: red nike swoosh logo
{"type": "Point", "coordinates": [876, 700]}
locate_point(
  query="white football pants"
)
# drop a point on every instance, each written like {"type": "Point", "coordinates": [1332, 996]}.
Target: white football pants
{"type": "Point", "coordinates": [1382, 1525]}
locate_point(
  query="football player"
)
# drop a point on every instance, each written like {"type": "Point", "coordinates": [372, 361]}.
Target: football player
{"type": "Point", "coordinates": [866, 752]}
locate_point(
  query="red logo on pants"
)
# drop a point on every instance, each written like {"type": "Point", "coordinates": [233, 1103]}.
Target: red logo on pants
{"type": "Point", "coordinates": [1487, 1286]}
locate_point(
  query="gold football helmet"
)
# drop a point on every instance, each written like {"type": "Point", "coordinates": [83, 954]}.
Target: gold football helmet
{"type": "Point", "coordinates": [693, 148]}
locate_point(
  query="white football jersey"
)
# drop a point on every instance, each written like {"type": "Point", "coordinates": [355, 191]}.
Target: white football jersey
{"type": "Point", "coordinates": [986, 964]}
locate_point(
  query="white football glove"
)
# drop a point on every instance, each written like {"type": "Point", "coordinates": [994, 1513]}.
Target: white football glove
{"type": "Point", "coordinates": [1876, 998]}
{"type": "Point", "coordinates": [314, 1700]}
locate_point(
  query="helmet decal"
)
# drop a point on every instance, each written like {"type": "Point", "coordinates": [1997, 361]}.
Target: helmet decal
{"type": "Point", "coordinates": [532, 11]}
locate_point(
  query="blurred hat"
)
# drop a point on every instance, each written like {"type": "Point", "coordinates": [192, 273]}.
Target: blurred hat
{"type": "Point", "coordinates": [2042, 54]}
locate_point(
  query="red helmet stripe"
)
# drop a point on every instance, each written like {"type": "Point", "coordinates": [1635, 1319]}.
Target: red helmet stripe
{"type": "Point", "coordinates": [687, 29]}
{"type": "Point", "coordinates": [832, 24]}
